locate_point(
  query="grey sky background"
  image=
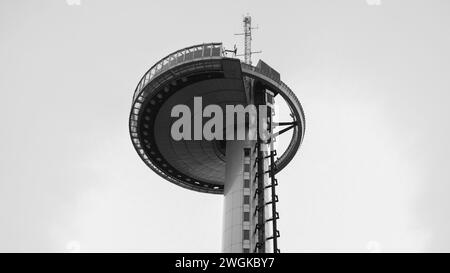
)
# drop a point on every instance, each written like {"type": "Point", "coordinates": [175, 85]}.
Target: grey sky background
{"type": "Point", "coordinates": [372, 173]}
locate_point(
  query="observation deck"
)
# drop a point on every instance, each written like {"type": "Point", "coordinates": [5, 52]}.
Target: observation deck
{"type": "Point", "coordinates": [201, 70]}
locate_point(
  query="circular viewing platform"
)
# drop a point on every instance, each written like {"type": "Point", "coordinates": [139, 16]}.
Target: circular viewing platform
{"type": "Point", "coordinates": [202, 70]}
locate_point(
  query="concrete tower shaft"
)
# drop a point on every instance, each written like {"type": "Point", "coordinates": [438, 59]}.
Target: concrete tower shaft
{"type": "Point", "coordinates": [244, 171]}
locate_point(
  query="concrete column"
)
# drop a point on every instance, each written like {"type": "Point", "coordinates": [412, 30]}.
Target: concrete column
{"type": "Point", "coordinates": [233, 201]}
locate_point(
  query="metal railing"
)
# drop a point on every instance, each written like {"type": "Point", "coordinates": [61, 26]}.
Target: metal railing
{"type": "Point", "coordinates": [262, 72]}
{"type": "Point", "coordinates": [202, 51]}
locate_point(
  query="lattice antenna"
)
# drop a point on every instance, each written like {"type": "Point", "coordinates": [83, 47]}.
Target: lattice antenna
{"type": "Point", "coordinates": [248, 40]}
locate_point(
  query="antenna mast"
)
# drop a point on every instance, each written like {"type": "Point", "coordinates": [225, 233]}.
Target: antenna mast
{"type": "Point", "coordinates": [247, 40]}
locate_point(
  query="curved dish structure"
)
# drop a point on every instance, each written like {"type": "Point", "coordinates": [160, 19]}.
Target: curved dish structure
{"type": "Point", "coordinates": [200, 70]}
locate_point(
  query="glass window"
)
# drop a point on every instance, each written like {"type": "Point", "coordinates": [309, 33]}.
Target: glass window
{"type": "Point", "coordinates": [207, 51]}
{"type": "Point", "coordinates": [216, 51]}
{"type": "Point", "coordinates": [189, 56]}
{"type": "Point", "coordinates": [246, 183]}
{"type": "Point", "coordinates": [198, 52]}
{"type": "Point", "coordinates": [246, 216]}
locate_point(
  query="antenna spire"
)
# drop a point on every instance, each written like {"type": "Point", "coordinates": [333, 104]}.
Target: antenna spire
{"type": "Point", "coordinates": [247, 39]}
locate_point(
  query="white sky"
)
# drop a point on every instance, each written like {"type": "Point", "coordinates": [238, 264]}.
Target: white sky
{"type": "Point", "coordinates": [372, 174]}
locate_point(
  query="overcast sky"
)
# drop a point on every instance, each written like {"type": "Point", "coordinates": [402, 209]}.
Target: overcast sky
{"type": "Point", "coordinates": [373, 173]}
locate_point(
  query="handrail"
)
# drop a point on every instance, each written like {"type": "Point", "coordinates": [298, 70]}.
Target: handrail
{"type": "Point", "coordinates": [270, 76]}
{"type": "Point", "coordinates": [211, 52]}
{"type": "Point", "coordinates": [190, 53]}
